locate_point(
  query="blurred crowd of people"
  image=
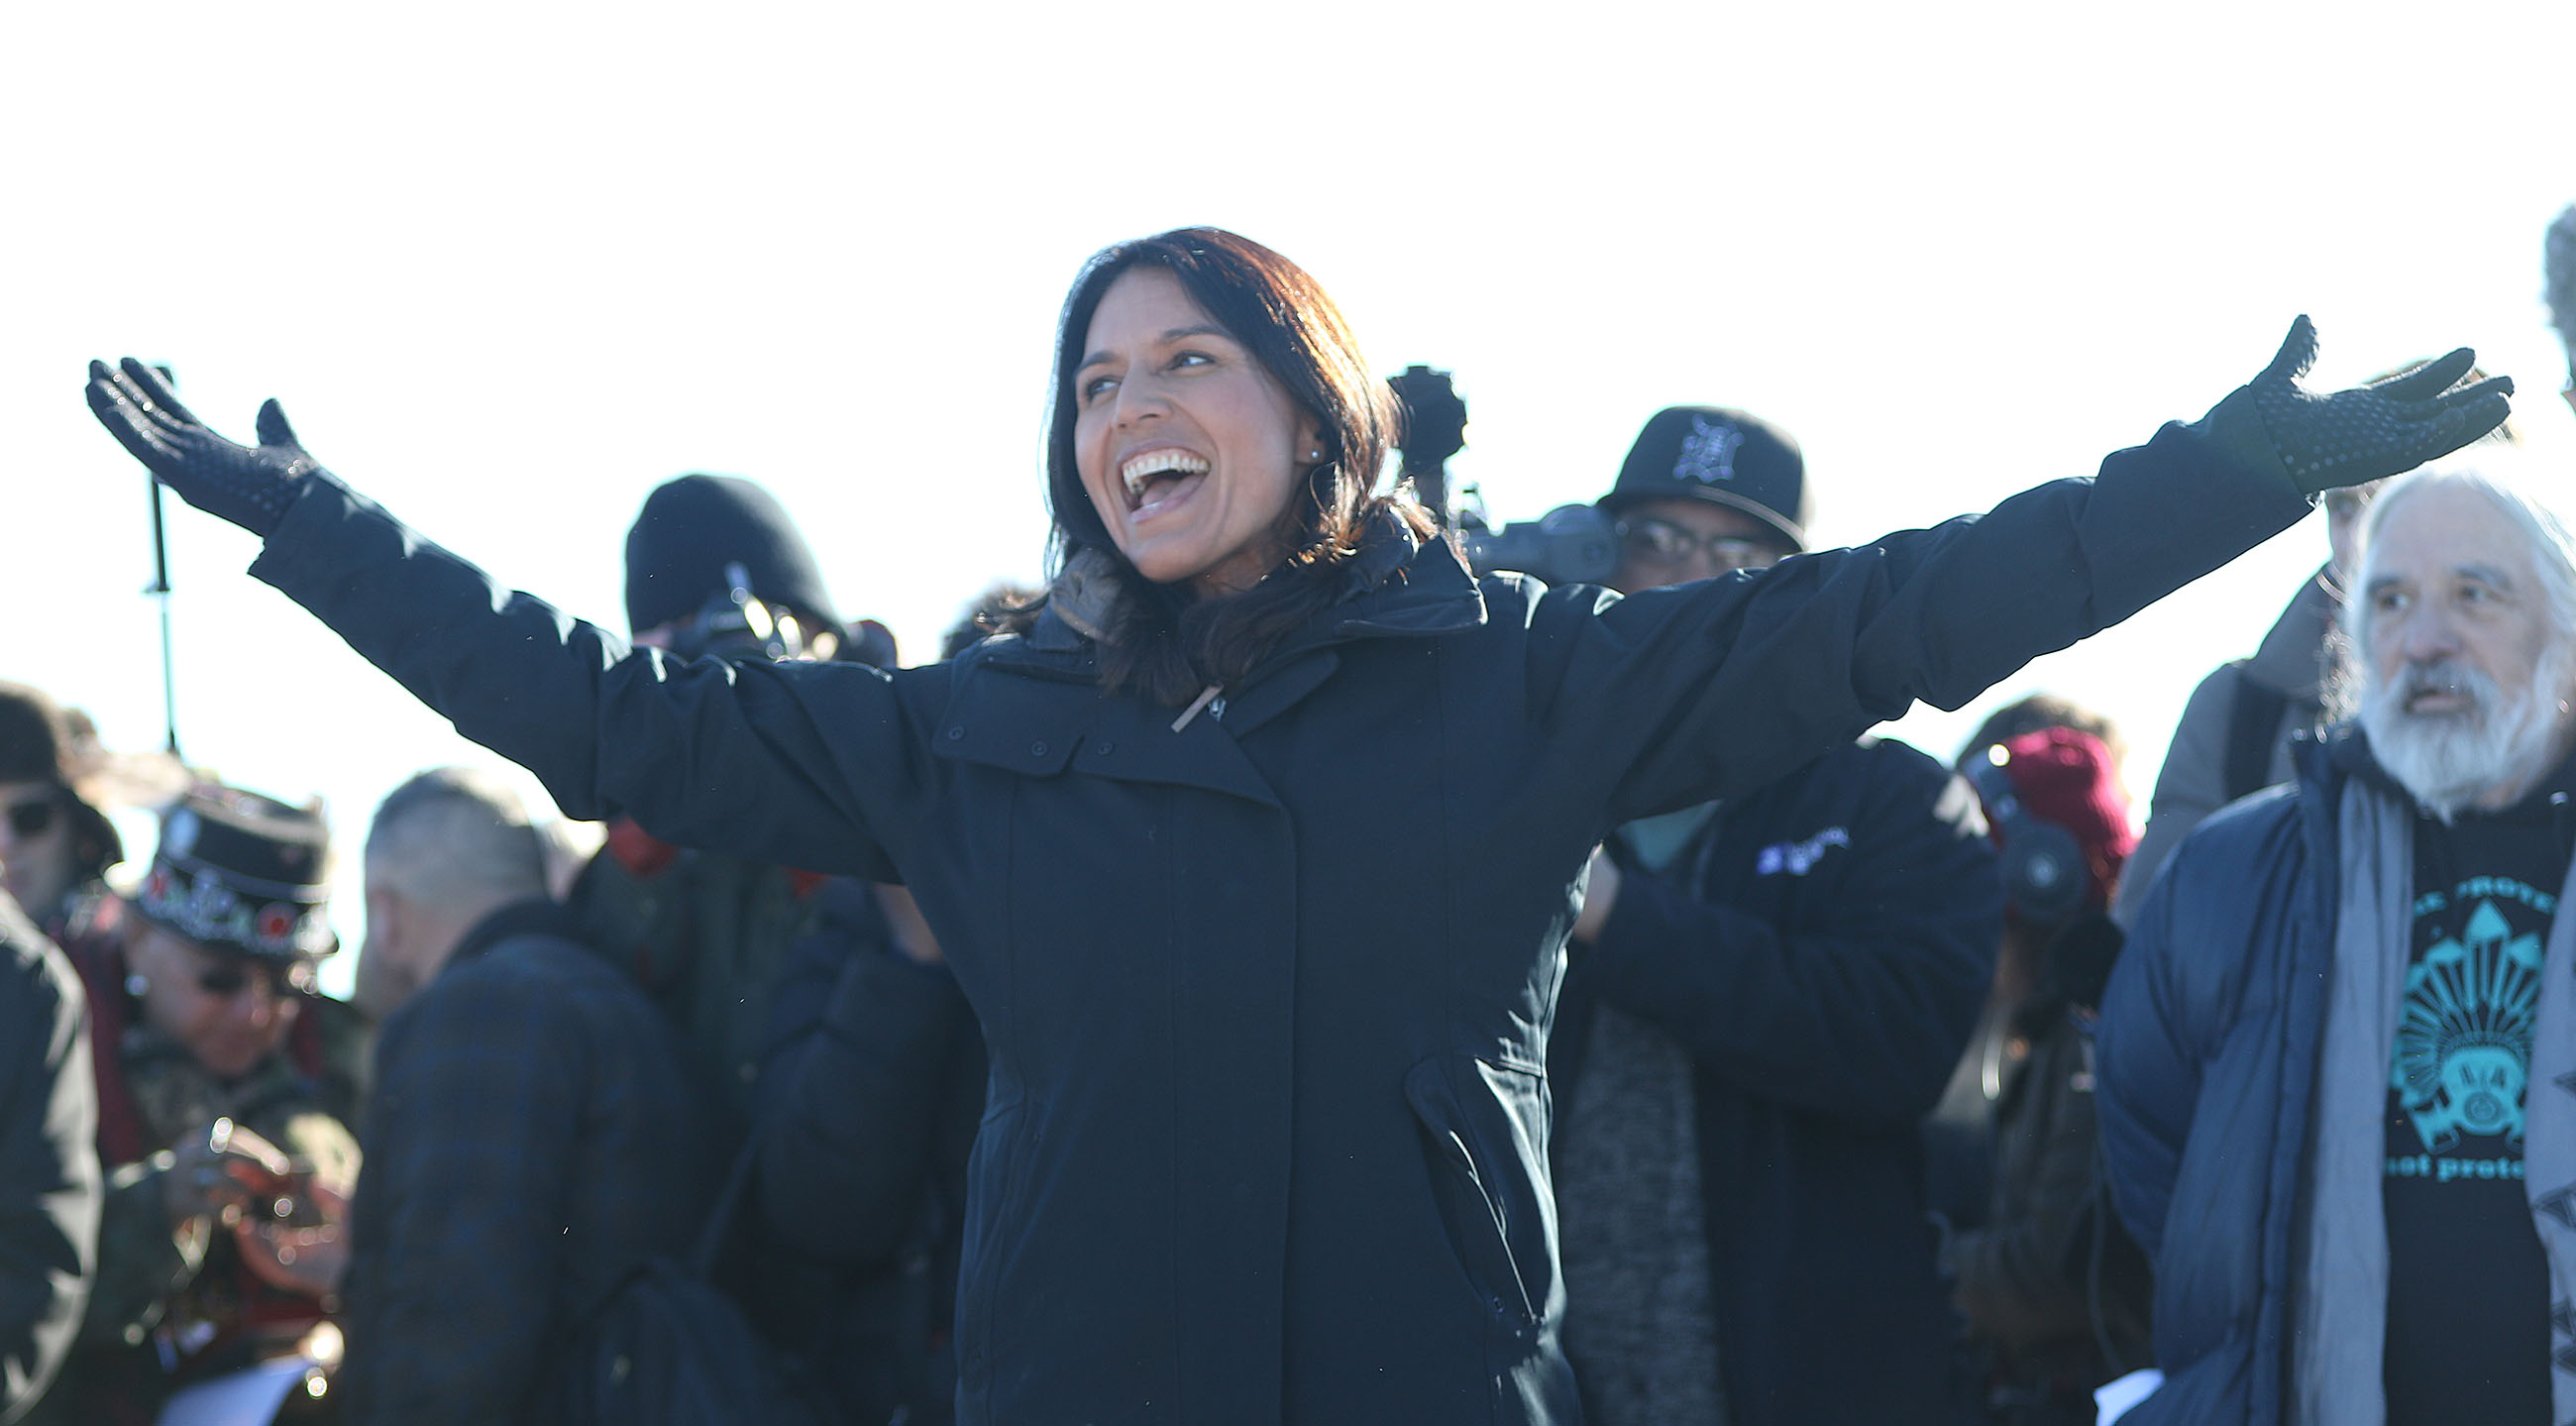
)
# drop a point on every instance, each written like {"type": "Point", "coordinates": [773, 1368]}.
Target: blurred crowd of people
{"type": "Point", "coordinates": [1898, 1090]}
{"type": "Point", "coordinates": [546, 1068]}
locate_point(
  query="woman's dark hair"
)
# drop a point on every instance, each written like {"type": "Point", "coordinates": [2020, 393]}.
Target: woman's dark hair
{"type": "Point", "coordinates": [1164, 642]}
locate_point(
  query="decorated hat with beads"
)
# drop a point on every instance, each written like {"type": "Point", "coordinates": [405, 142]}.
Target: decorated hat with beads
{"type": "Point", "coordinates": [240, 873]}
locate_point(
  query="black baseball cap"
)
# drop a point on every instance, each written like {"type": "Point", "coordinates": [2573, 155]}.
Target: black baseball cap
{"type": "Point", "coordinates": [1722, 456]}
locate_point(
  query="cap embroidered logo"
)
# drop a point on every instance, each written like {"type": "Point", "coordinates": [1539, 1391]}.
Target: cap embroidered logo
{"type": "Point", "coordinates": [1708, 452]}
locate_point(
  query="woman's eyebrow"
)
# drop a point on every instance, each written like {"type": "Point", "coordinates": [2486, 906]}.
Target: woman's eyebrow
{"type": "Point", "coordinates": [1175, 334]}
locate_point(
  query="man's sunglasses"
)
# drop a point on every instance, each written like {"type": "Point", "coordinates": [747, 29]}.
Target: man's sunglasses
{"type": "Point", "coordinates": [1664, 542]}
{"type": "Point", "coordinates": [31, 817]}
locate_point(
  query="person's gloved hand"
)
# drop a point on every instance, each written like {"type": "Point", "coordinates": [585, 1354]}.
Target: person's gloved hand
{"type": "Point", "coordinates": [2324, 440]}
{"type": "Point", "coordinates": [248, 485]}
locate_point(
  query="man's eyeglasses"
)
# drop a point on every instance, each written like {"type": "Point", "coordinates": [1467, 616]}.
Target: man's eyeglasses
{"type": "Point", "coordinates": [31, 817]}
{"type": "Point", "coordinates": [226, 979]}
{"type": "Point", "coordinates": [1663, 542]}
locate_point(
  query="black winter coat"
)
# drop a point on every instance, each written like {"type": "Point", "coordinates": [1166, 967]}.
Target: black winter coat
{"type": "Point", "coordinates": [871, 1094]}
{"type": "Point", "coordinates": [49, 1174]}
{"type": "Point", "coordinates": [1267, 996]}
{"type": "Point", "coordinates": [1823, 970]}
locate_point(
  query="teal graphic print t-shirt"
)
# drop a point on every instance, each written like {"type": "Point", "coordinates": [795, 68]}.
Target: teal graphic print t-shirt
{"type": "Point", "coordinates": [2468, 1289]}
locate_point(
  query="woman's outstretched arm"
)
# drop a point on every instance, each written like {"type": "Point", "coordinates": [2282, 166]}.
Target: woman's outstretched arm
{"type": "Point", "coordinates": [1709, 689]}
{"type": "Point", "coordinates": [811, 765]}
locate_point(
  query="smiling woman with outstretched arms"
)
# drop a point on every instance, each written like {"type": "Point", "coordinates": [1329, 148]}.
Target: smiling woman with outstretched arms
{"type": "Point", "coordinates": [1255, 845]}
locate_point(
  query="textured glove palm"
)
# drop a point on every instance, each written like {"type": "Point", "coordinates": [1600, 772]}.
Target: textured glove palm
{"type": "Point", "coordinates": [248, 485]}
{"type": "Point", "coordinates": [2324, 440]}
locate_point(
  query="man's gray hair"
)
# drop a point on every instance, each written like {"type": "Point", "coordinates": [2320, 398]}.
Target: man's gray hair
{"type": "Point", "coordinates": [2558, 278]}
{"type": "Point", "coordinates": [2552, 547]}
{"type": "Point", "coordinates": [456, 836]}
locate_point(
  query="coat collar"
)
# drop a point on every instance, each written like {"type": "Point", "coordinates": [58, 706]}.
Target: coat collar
{"type": "Point", "coordinates": [1051, 714]}
{"type": "Point", "coordinates": [1395, 587]}
{"type": "Point", "coordinates": [537, 916]}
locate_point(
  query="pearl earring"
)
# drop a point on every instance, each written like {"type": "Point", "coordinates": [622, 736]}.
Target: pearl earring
{"type": "Point", "coordinates": [135, 985]}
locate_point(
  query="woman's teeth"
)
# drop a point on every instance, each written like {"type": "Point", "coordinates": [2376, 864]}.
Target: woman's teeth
{"type": "Point", "coordinates": [1142, 471]}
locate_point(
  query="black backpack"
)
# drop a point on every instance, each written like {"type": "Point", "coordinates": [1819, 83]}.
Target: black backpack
{"type": "Point", "coordinates": [667, 1347]}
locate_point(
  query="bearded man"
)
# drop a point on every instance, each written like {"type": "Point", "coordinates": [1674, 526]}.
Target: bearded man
{"type": "Point", "coordinates": [2338, 1061]}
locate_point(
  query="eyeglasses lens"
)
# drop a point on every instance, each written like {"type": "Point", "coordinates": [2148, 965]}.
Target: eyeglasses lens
{"type": "Point", "coordinates": [1663, 542]}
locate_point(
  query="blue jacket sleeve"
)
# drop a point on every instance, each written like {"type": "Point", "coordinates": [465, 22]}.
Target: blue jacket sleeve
{"type": "Point", "coordinates": [1710, 689]}
{"type": "Point", "coordinates": [2148, 1072]}
{"type": "Point", "coordinates": [1862, 1002]}
{"type": "Point", "coordinates": [807, 765]}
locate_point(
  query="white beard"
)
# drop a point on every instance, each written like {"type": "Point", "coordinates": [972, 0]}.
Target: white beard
{"type": "Point", "coordinates": [2448, 761]}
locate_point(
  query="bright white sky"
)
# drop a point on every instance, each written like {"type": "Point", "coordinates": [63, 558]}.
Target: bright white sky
{"type": "Point", "coordinates": [509, 266]}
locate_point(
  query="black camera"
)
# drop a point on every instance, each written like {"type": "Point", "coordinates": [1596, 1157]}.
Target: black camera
{"type": "Point", "coordinates": [738, 624]}
{"type": "Point", "coordinates": [1571, 544]}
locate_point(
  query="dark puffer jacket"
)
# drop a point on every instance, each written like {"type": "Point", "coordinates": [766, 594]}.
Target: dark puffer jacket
{"type": "Point", "coordinates": [2207, 1054]}
{"type": "Point", "coordinates": [1267, 995]}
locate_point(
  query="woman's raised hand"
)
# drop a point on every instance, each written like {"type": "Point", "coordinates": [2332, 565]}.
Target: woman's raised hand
{"type": "Point", "coordinates": [2329, 439]}
{"type": "Point", "coordinates": [248, 485]}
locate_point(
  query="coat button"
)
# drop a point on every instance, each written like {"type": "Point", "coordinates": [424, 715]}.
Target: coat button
{"type": "Point", "coordinates": [1103, 749]}
{"type": "Point", "coordinates": [1037, 750]}
{"type": "Point", "coordinates": [957, 732]}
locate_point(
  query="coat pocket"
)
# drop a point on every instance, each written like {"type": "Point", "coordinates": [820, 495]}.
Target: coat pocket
{"type": "Point", "coordinates": [1484, 1133]}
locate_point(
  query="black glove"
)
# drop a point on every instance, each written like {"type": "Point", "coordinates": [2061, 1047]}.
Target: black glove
{"type": "Point", "coordinates": [249, 486]}
{"type": "Point", "coordinates": [2348, 437]}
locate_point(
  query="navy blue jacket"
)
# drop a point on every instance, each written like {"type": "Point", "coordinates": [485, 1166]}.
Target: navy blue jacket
{"type": "Point", "coordinates": [533, 1138]}
{"type": "Point", "coordinates": [2207, 1064]}
{"type": "Point", "coordinates": [1267, 996]}
{"type": "Point", "coordinates": [1823, 968]}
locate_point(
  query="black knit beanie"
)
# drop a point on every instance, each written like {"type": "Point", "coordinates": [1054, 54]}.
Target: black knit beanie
{"type": "Point", "coordinates": [692, 527]}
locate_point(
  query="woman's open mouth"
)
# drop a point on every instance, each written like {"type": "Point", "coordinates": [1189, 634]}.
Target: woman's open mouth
{"type": "Point", "coordinates": [1157, 480]}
